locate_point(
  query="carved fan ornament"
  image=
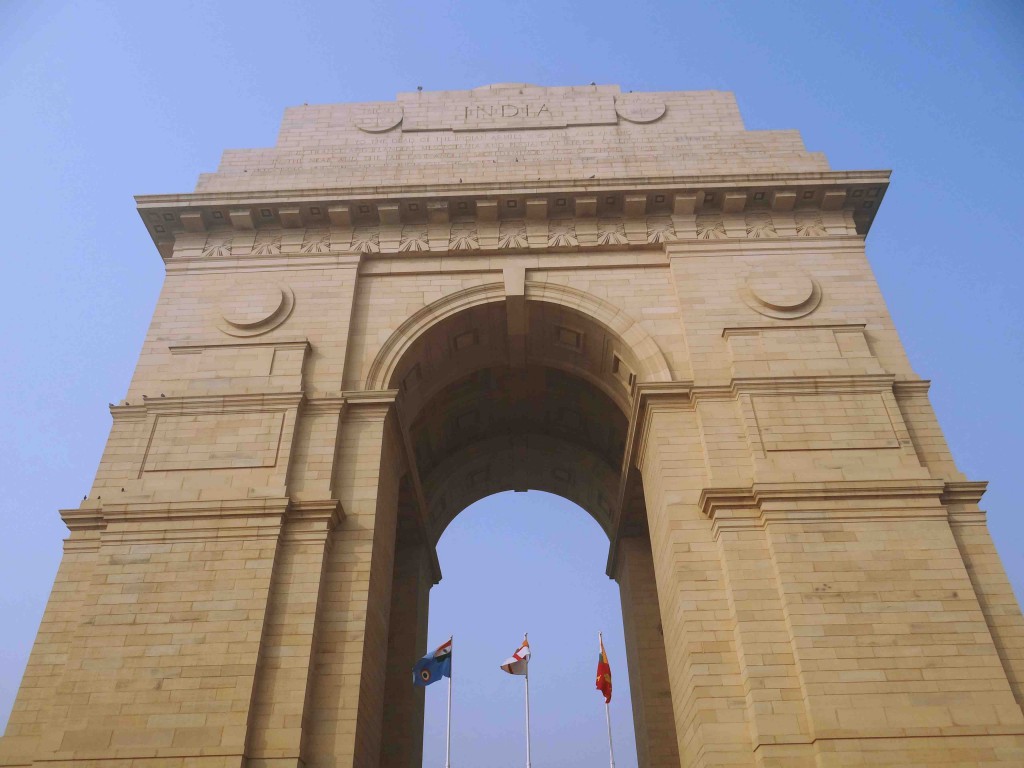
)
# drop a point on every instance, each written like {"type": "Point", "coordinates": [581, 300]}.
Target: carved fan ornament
{"type": "Point", "coordinates": [414, 238]}
{"type": "Point", "coordinates": [463, 237]}
{"type": "Point", "coordinates": [366, 240]}
{"type": "Point", "coordinates": [611, 232]}
{"type": "Point", "coordinates": [660, 230]}
{"type": "Point", "coordinates": [760, 225]}
{"type": "Point", "coordinates": [512, 234]}
{"type": "Point", "coordinates": [267, 245]}
{"type": "Point", "coordinates": [316, 241]}
{"type": "Point", "coordinates": [217, 246]}
{"type": "Point", "coordinates": [710, 228]}
{"type": "Point", "coordinates": [562, 234]}
{"type": "Point", "coordinates": [809, 224]}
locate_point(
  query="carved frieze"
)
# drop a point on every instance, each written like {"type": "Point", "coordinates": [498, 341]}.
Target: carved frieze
{"type": "Point", "coordinates": [468, 233]}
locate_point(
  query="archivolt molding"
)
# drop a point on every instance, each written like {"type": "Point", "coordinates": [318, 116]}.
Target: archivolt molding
{"type": "Point", "coordinates": [652, 363]}
{"type": "Point", "coordinates": [387, 359]}
{"type": "Point", "coordinates": [649, 358]}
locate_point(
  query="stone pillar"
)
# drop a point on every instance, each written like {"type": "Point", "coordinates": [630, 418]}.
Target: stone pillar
{"type": "Point", "coordinates": [708, 695]}
{"type": "Point", "coordinates": [645, 654]}
{"type": "Point", "coordinates": [53, 645]}
{"type": "Point", "coordinates": [159, 661]}
{"type": "Point", "coordinates": [988, 577]}
{"type": "Point", "coordinates": [402, 743]}
{"type": "Point", "coordinates": [779, 725]}
{"type": "Point", "coordinates": [895, 660]}
{"type": "Point", "coordinates": [345, 721]}
{"type": "Point", "coordinates": [280, 710]}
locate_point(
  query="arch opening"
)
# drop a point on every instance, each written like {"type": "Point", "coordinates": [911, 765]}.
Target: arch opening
{"type": "Point", "coordinates": [518, 562]}
{"type": "Point", "coordinates": [498, 396]}
{"type": "Point", "coordinates": [518, 429]}
{"type": "Point", "coordinates": [503, 397]}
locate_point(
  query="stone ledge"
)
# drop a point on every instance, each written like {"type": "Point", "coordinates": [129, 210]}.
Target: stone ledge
{"type": "Point", "coordinates": [643, 212]}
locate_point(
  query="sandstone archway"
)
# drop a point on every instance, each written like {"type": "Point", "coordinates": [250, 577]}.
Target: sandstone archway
{"type": "Point", "coordinates": [499, 396]}
{"type": "Point", "coordinates": [624, 298]}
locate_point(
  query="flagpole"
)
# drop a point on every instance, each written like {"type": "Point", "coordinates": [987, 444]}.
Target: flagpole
{"type": "Point", "coordinates": [525, 638]}
{"type": "Point", "coordinates": [608, 720]}
{"type": "Point", "coordinates": [607, 715]}
{"type": "Point", "coordinates": [448, 737]}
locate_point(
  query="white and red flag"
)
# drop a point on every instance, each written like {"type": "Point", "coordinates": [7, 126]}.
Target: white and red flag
{"type": "Point", "coordinates": [517, 664]}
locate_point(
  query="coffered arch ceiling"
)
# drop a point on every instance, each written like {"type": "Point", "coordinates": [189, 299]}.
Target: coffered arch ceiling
{"type": "Point", "coordinates": [550, 335]}
{"type": "Point", "coordinates": [539, 404]}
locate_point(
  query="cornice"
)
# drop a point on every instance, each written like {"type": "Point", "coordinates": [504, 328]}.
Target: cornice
{"type": "Point", "coordinates": [308, 520]}
{"type": "Point", "coordinates": [366, 401]}
{"type": "Point", "coordinates": [311, 520]}
{"type": "Point", "coordinates": [390, 192]}
{"type": "Point", "coordinates": [204, 404]}
{"type": "Point", "coordinates": [858, 193]}
{"type": "Point", "coordinates": [911, 386]}
{"type": "Point", "coordinates": [964, 492]}
{"type": "Point", "coordinates": [191, 346]}
{"type": "Point", "coordinates": [334, 403]}
{"type": "Point", "coordinates": [83, 519]}
{"type": "Point", "coordinates": [712, 499]}
{"type": "Point", "coordinates": [221, 403]}
{"type": "Point", "coordinates": [370, 397]}
{"type": "Point", "coordinates": [753, 330]}
{"type": "Point", "coordinates": [160, 511]}
{"type": "Point", "coordinates": [859, 501]}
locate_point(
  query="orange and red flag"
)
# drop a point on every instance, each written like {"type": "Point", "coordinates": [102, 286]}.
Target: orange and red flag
{"type": "Point", "coordinates": [604, 674]}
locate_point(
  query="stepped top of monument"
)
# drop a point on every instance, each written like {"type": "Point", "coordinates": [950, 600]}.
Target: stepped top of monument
{"type": "Point", "coordinates": [510, 133]}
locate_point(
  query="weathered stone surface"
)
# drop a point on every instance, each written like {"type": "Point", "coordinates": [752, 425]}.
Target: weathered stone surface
{"type": "Point", "coordinates": [624, 299]}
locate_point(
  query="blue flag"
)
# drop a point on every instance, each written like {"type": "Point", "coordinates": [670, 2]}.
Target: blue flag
{"type": "Point", "coordinates": [434, 666]}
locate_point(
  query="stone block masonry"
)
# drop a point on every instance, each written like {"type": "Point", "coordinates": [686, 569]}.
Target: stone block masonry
{"type": "Point", "coordinates": [626, 299]}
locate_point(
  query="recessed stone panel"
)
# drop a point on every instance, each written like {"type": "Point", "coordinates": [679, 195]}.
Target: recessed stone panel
{"type": "Point", "coordinates": [214, 441]}
{"type": "Point", "coordinates": [824, 422]}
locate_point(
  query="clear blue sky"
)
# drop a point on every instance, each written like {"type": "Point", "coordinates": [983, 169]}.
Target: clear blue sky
{"type": "Point", "coordinates": [104, 100]}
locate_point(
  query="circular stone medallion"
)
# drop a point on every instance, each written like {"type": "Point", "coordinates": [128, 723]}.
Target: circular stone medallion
{"type": "Point", "coordinates": [254, 309]}
{"type": "Point", "coordinates": [639, 108]}
{"type": "Point", "coordinates": [784, 294]}
{"type": "Point", "coordinates": [377, 118]}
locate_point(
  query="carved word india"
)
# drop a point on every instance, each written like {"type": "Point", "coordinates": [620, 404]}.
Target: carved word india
{"type": "Point", "coordinates": [506, 110]}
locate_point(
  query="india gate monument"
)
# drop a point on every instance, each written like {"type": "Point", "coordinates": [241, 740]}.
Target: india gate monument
{"type": "Point", "coordinates": [625, 299]}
